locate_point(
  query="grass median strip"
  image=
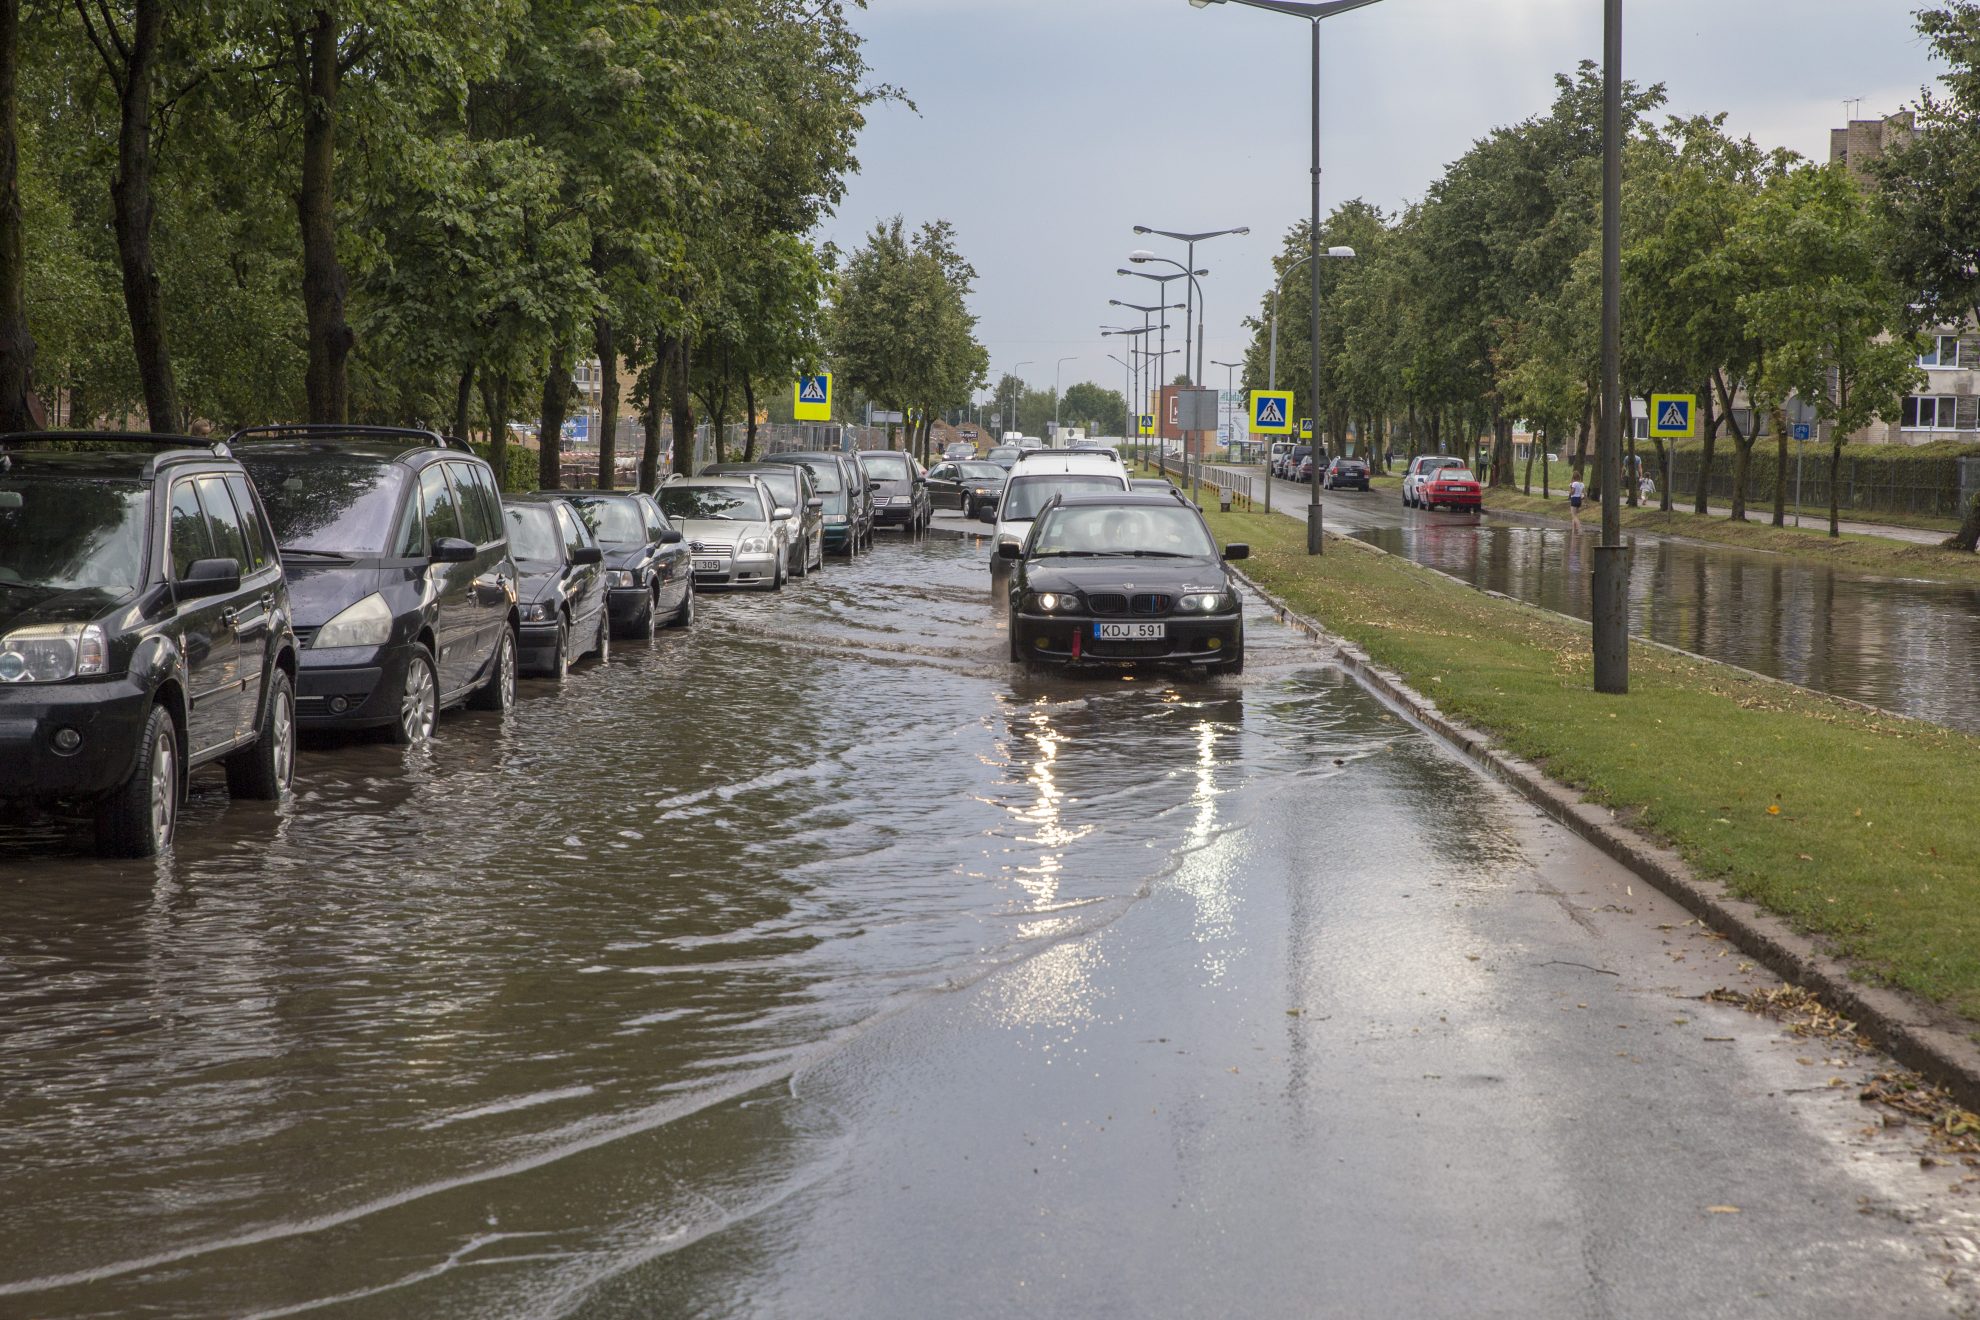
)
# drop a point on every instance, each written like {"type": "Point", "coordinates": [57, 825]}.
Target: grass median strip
{"type": "Point", "coordinates": [1881, 555]}
{"type": "Point", "coordinates": [1853, 824]}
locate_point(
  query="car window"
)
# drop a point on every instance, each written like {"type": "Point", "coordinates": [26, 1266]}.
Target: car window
{"type": "Point", "coordinates": [480, 516]}
{"type": "Point", "coordinates": [887, 467]}
{"type": "Point", "coordinates": [250, 519]}
{"type": "Point", "coordinates": [942, 472]}
{"type": "Point", "coordinates": [1163, 530]}
{"type": "Point", "coordinates": [571, 529]}
{"type": "Point", "coordinates": [436, 502]}
{"type": "Point", "coordinates": [725, 503]}
{"type": "Point", "coordinates": [328, 503]}
{"type": "Point", "coordinates": [612, 520]}
{"type": "Point", "coordinates": [1027, 495]}
{"type": "Point", "coordinates": [229, 541]}
{"type": "Point", "coordinates": [783, 487]}
{"type": "Point", "coordinates": [534, 536]}
{"type": "Point", "coordinates": [828, 476]}
{"type": "Point", "coordinates": [61, 535]}
{"type": "Point", "coordinates": [189, 537]}
{"type": "Point", "coordinates": [656, 521]}
{"type": "Point", "coordinates": [409, 541]}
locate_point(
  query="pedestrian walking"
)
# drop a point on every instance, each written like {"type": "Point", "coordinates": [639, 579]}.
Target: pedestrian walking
{"type": "Point", "coordinates": [1577, 491]}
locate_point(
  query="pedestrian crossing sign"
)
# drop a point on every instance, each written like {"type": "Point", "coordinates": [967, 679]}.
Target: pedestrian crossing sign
{"type": "Point", "coordinates": [814, 398]}
{"type": "Point", "coordinates": [1271, 412]}
{"type": "Point", "coordinates": [1147, 423]}
{"type": "Point", "coordinates": [1306, 428]}
{"type": "Point", "coordinates": [1670, 416]}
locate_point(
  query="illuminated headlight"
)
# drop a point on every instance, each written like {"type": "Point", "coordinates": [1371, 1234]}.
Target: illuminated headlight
{"type": "Point", "coordinates": [49, 653]}
{"type": "Point", "coordinates": [619, 577]}
{"type": "Point", "coordinates": [1208, 602]}
{"type": "Point", "coordinates": [1051, 602]}
{"type": "Point", "coordinates": [541, 611]}
{"type": "Point", "coordinates": [367, 623]}
{"type": "Point", "coordinates": [754, 545]}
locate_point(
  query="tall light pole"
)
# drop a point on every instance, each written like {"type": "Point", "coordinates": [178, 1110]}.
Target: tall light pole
{"type": "Point", "coordinates": [1230, 387]}
{"type": "Point", "coordinates": [1313, 13]}
{"type": "Point", "coordinates": [1192, 240]}
{"type": "Point", "coordinates": [1127, 387]}
{"type": "Point", "coordinates": [1161, 414]}
{"type": "Point", "coordinates": [1017, 394]}
{"type": "Point", "coordinates": [1609, 597]}
{"type": "Point", "coordinates": [1055, 392]}
{"type": "Point", "coordinates": [1147, 310]}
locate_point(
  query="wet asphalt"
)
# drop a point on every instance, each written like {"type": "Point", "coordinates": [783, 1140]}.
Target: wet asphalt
{"type": "Point", "coordinates": [817, 962]}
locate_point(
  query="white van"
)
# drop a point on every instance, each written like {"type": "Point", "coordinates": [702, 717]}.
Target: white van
{"type": "Point", "coordinates": [1036, 478]}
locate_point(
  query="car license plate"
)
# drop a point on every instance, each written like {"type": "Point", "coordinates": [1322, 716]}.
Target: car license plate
{"type": "Point", "coordinates": [710, 566]}
{"type": "Point", "coordinates": [1130, 632]}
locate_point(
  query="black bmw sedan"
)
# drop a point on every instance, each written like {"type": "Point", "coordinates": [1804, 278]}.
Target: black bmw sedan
{"type": "Point", "coordinates": [1120, 580]}
{"type": "Point", "coordinates": [560, 585]}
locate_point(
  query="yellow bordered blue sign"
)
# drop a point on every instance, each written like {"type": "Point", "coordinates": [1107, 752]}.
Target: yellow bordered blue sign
{"type": "Point", "coordinates": [1148, 423]}
{"type": "Point", "coordinates": [1671, 416]}
{"type": "Point", "coordinates": [1271, 412]}
{"type": "Point", "coordinates": [814, 398]}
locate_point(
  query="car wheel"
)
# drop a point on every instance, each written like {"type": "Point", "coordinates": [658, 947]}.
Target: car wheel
{"type": "Point", "coordinates": [603, 650]}
{"type": "Point", "coordinates": [141, 816]}
{"type": "Point", "coordinates": [264, 771]}
{"type": "Point", "coordinates": [1233, 666]}
{"type": "Point", "coordinates": [777, 578]}
{"type": "Point", "coordinates": [641, 628]}
{"type": "Point", "coordinates": [499, 692]}
{"type": "Point", "coordinates": [419, 701]}
{"type": "Point", "coordinates": [560, 653]}
{"type": "Point", "coordinates": [685, 614]}
{"type": "Point", "coordinates": [1017, 656]}
{"type": "Point", "coordinates": [803, 559]}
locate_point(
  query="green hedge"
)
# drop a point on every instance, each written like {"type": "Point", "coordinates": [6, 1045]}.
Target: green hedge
{"type": "Point", "coordinates": [522, 474]}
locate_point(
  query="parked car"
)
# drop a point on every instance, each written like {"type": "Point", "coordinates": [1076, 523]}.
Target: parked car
{"type": "Point", "coordinates": [900, 499]}
{"type": "Point", "coordinates": [1160, 484]}
{"type": "Point", "coordinates": [560, 585]}
{"type": "Point", "coordinates": [960, 451]}
{"type": "Point", "coordinates": [1124, 579]}
{"type": "Point", "coordinates": [144, 632]}
{"type": "Point", "coordinates": [1004, 456]}
{"type": "Point", "coordinates": [648, 574]}
{"type": "Point", "coordinates": [847, 494]}
{"type": "Point", "coordinates": [734, 531]}
{"type": "Point", "coordinates": [1033, 484]}
{"type": "Point", "coordinates": [398, 563]}
{"type": "Point", "coordinates": [1419, 472]}
{"type": "Point", "coordinates": [971, 486]}
{"type": "Point", "coordinates": [793, 488]}
{"type": "Point", "coordinates": [1305, 473]}
{"type": "Point", "coordinates": [1290, 461]}
{"type": "Point", "coordinates": [1346, 474]}
{"type": "Point", "coordinates": [1276, 455]}
{"type": "Point", "coordinates": [1451, 488]}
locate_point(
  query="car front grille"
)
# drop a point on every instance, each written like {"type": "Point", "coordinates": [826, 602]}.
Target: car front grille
{"type": "Point", "coordinates": [712, 548]}
{"type": "Point", "coordinates": [1107, 604]}
{"type": "Point", "coordinates": [1153, 604]}
{"type": "Point", "coordinates": [304, 636]}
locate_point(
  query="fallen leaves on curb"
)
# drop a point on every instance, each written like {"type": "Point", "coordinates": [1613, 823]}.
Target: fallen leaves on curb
{"type": "Point", "coordinates": [1953, 1129]}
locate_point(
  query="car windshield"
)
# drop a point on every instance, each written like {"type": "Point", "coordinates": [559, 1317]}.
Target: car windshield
{"type": "Point", "coordinates": [71, 535]}
{"type": "Point", "coordinates": [1451, 474]}
{"type": "Point", "coordinates": [613, 521]}
{"type": "Point", "coordinates": [727, 503]}
{"type": "Point", "coordinates": [1158, 531]}
{"type": "Point", "coordinates": [1001, 452]}
{"type": "Point", "coordinates": [982, 471]}
{"type": "Point", "coordinates": [1027, 495]}
{"type": "Point", "coordinates": [886, 467]}
{"type": "Point", "coordinates": [325, 504]}
{"type": "Point", "coordinates": [826, 475]}
{"type": "Point", "coordinates": [783, 487]}
{"type": "Point", "coordinates": [835, 501]}
{"type": "Point", "coordinates": [533, 537]}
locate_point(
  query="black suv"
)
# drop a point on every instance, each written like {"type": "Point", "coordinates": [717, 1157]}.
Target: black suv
{"type": "Point", "coordinates": [398, 560]}
{"type": "Point", "coordinates": [900, 491]}
{"type": "Point", "coordinates": [1345, 474]}
{"type": "Point", "coordinates": [144, 631]}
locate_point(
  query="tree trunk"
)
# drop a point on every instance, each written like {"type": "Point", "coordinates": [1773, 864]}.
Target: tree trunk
{"type": "Point", "coordinates": [133, 67]}
{"type": "Point", "coordinates": [1531, 445]}
{"type": "Point", "coordinates": [1633, 469]}
{"type": "Point", "coordinates": [1581, 437]}
{"type": "Point", "coordinates": [1968, 536]}
{"type": "Point", "coordinates": [1700, 502]}
{"type": "Point", "coordinates": [1780, 465]}
{"type": "Point", "coordinates": [1502, 451]}
{"type": "Point", "coordinates": [649, 459]}
{"type": "Point", "coordinates": [1835, 481]}
{"type": "Point", "coordinates": [326, 379]}
{"type": "Point", "coordinates": [495, 398]}
{"type": "Point", "coordinates": [463, 401]}
{"type": "Point", "coordinates": [749, 419]}
{"type": "Point", "coordinates": [550, 429]}
{"type": "Point", "coordinates": [605, 343]}
{"type": "Point", "coordinates": [17, 410]}
{"type": "Point", "coordinates": [1742, 469]}
{"type": "Point", "coordinates": [680, 401]}
{"type": "Point", "coordinates": [1546, 438]}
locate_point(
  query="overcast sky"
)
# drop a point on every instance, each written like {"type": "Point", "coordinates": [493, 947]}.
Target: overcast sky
{"type": "Point", "coordinates": [1046, 129]}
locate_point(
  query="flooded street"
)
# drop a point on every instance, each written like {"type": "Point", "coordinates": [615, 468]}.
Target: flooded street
{"type": "Point", "coordinates": [817, 962]}
{"type": "Point", "coordinates": [1912, 647]}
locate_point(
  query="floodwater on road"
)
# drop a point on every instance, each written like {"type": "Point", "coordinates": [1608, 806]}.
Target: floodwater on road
{"type": "Point", "coordinates": [818, 962]}
{"type": "Point", "coordinates": [1906, 645]}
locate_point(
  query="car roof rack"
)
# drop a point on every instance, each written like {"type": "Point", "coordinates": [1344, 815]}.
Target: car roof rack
{"type": "Point", "coordinates": [330, 430]}
{"type": "Point", "coordinates": [134, 439]}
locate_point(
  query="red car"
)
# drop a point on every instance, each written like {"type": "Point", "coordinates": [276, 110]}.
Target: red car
{"type": "Point", "coordinates": [1452, 487]}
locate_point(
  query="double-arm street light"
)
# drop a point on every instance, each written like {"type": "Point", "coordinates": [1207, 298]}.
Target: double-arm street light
{"type": "Point", "coordinates": [1055, 391]}
{"type": "Point", "coordinates": [1313, 13]}
{"type": "Point", "coordinates": [1017, 394]}
{"type": "Point", "coordinates": [1192, 240]}
{"type": "Point", "coordinates": [1127, 385]}
{"type": "Point", "coordinates": [1135, 337]}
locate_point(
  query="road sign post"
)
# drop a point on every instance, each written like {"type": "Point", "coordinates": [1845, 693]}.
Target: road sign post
{"type": "Point", "coordinates": [814, 398]}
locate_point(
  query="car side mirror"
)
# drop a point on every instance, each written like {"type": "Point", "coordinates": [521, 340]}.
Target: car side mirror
{"type": "Point", "coordinates": [814, 503]}
{"type": "Point", "coordinates": [208, 577]}
{"type": "Point", "coordinates": [672, 536]}
{"type": "Point", "coordinates": [872, 486]}
{"type": "Point", "coordinates": [1237, 551]}
{"type": "Point", "coordinates": [779, 513]}
{"type": "Point", "coordinates": [1009, 550]}
{"type": "Point", "coordinates": [452, 550]}
{"type": "Point", "coordinates": [587, 554]}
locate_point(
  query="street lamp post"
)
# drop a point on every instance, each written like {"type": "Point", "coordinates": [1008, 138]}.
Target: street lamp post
{"type": "Point", "coordinates": [1314, 13]}
{"type": "Point", "coordinates": [1055, 393]}
{"type": "Point", "coordinates": [1146, 310]}
{"type": "Point", "coordinates": [1192, 240]}
{"type": "Point", "coordinates": [1609, 596]}
{"type": "Point", "coordinates": [1017, 395]}
{"type": "Point", "coordinates": [1230, 387]}
{"type": "Point", "coordinates": [1161, 414]}
{"type": "Point", "coordinates": [1127, 387]}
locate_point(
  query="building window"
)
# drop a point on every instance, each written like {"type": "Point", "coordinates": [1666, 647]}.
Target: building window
{"type": "Point", "coordinates": [1943, 353]}
{"type": "Point", "coordinates": [1929, 412]}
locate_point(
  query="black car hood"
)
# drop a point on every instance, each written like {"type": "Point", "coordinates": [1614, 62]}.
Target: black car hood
{"type": "Point", "coordinates": [26, 606]}
{"type": "Point", "coordinates": [534, 581]}
{"type": "Point", "coordinates": [319, 592]}
{"type": "Point", "coordinates": [1173, 576]}
{"type": "Point", "coordinates": [625, 556]}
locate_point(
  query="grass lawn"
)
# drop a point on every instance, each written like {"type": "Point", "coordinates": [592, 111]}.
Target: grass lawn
{"type": "Point", "coordinates": [1811, 541]}
{"type": "Point", "coordinates": [1852, 824]}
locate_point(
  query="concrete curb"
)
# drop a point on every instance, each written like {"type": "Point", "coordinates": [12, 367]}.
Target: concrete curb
{"type": "Point", "coordinates": [1918, 1034]}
